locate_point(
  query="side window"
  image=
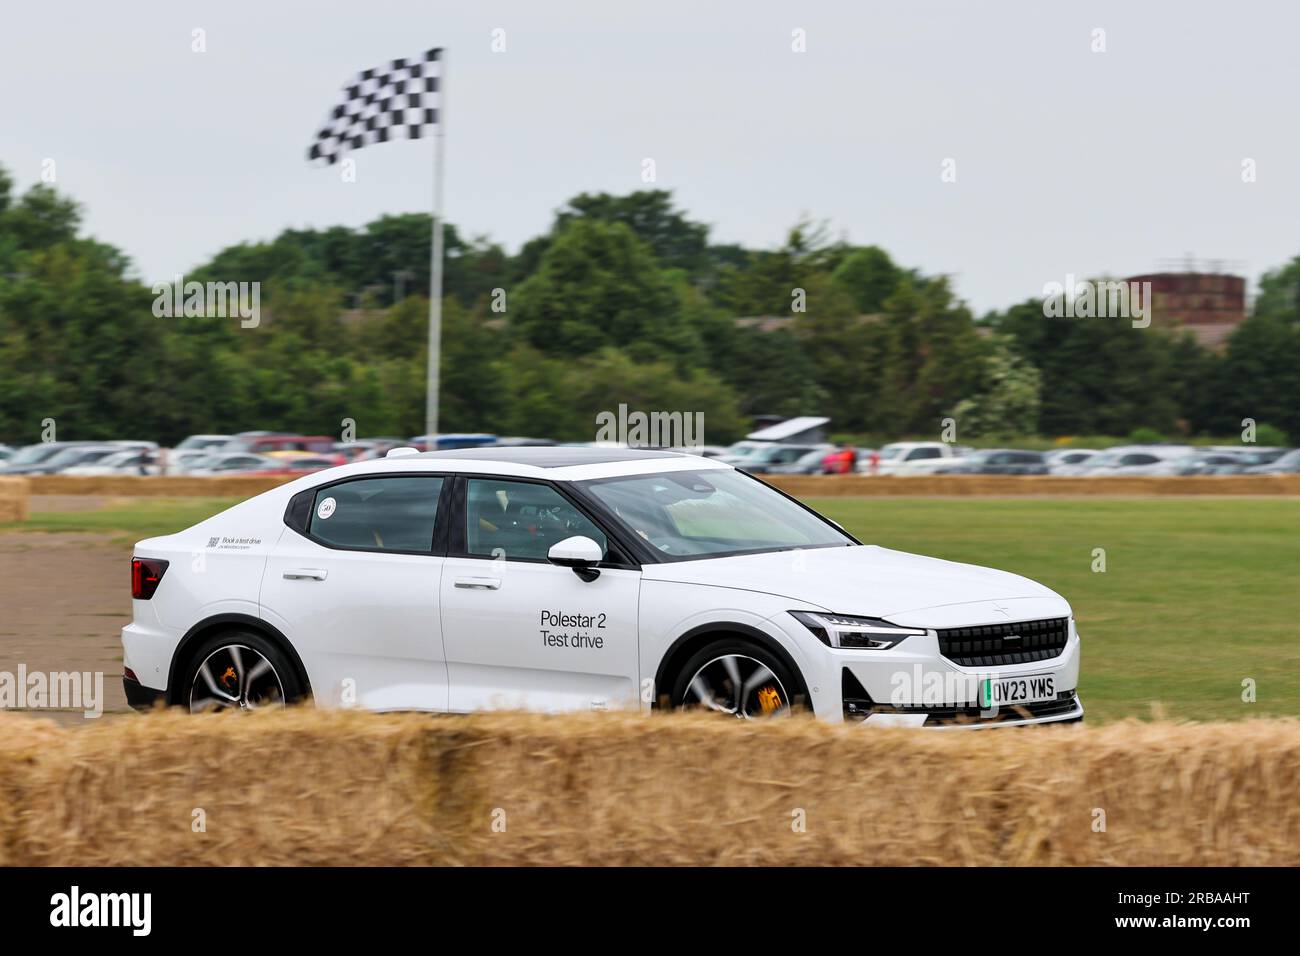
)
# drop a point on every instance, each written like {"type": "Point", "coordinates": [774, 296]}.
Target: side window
{"type": "Point", "coordinates": [919, 453]}
{"type": "Point", "coordinates": [520, 520]}
{"type": "Point", "coordinates": [385, 514]}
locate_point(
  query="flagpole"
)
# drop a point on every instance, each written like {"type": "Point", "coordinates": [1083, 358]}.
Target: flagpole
{"type": "Point", "coordinates": [435, 266]}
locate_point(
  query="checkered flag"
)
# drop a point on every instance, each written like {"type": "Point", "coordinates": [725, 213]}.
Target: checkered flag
{"type": "Point", "coordinates": [397, 101]}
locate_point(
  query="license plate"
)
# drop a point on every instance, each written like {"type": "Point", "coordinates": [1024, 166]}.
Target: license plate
{"type": "Point", "coordinates": [1010, 691]}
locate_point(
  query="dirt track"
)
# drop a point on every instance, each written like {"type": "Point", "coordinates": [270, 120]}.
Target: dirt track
{"type": "Point", "coordinates": [65, 599]}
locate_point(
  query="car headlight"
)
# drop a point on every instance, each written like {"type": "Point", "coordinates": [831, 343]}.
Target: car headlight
{"type": "Point", "coordinates": [842, 630]}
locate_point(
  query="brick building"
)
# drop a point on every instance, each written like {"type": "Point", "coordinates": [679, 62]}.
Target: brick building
{"type": "Point", "coordinates": [1210, 305]}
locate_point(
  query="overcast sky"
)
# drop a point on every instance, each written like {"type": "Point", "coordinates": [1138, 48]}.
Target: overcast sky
{"type": "Point", "coordinates": [1067, 160]}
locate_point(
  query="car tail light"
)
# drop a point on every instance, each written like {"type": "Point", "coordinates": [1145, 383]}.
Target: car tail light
{"type": "Point", "coordinates": [145, 575]}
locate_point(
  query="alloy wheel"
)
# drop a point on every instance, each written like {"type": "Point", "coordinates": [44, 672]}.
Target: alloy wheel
{"type": "Point", "coordinates": [738, 685]}
{"type": "Point", "coordinates": [235, 677]}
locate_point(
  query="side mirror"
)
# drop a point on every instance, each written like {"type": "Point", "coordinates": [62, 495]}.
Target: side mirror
{"type": "Point", "coordinates": [579, 553]}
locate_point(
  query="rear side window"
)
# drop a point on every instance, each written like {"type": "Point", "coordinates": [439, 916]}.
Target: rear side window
{"type": "Point", "coordinates": [377, 514]}
{"type": "Point", "coordinates": [919, 453]}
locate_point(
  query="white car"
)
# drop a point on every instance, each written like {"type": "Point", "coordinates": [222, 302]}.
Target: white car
{"type": "Point", "coordinates": [564, 578]}
{"type": "Point", "coordinates": [912, 458]}
{"type": "Point", "coordinates": [203, 442]}
{"type": "Point", "coordinates": [230, 463]}
{"type": "Point", "coordinates": [1134, 460]}
{"type": "Point", "coordinates": [1069, 461]}
{"type": "Point", "coordinates": [129, 461]}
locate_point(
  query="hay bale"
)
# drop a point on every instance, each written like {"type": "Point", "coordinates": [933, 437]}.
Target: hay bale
{"type": "Point", "coordinates": [347, 788]}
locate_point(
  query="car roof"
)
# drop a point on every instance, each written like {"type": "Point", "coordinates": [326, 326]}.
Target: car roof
{"type": "Point", "coordinates": [551, 456]}
{"type": "Point", "coordinates": [558, 463]}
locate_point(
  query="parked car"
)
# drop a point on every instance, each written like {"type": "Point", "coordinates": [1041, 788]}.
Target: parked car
{"type": "Point", "coordinates": [299, 462]}
{"type": "Point", "coordinates": [66, 457]}
{"type": "Point", "coordinates": [516, 441]}
{"type": "Point", "coordinates": [128, 461]}
{"type": "Point", "coordinates": [35, 454]}
{"type": "Point", "coordinates": [1284, 465]}
{"type": "Point", "coordinates": [1262, 455]}
{"type": "Point", "coordinates": [262, 444]}
{"type": "Point", "coordinates": [186, 462]}
{"type": "Point", "coordinates": [203, 442]}
{"type": "Point", "coordinates": [1202, 462]}
{"type": "Point", "coordinates": [912, 458]}
{"type": "Point", "coordinates": [997, 461]}
{"type": "Point", "coordinates": [232, 463]}
{"type": "Point", "coordinates": [703, 451]}
{"type": "Point", "coordinates": [738, 453]}
{"type": "Point", "coordinates": [810, 462]}
{"type": "Point", "coordinates": [1134, 460]}
{"type": "Point", "coordinates": [456, 440]}
{"type": "Point", "coordinates": [766, 460]}
{"type": "Point", "coordinates": [1069, 461]}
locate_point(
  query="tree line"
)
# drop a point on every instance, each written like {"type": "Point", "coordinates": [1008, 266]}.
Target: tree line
{"type": "Point", "coordinates": [625, 299]}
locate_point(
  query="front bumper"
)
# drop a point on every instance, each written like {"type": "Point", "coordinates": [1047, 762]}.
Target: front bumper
{"type": "Point", "coordinates": [914, 684]}
{"type": "Point", "coordinates": [1065, 709]}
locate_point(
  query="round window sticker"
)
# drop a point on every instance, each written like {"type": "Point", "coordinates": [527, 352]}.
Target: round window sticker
{"type": "Point", "coordinates": [326, 508]}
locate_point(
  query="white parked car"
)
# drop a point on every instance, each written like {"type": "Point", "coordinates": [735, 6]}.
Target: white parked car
{"type": "Point", "coordinates": [1069, 461]}
{"type": "Point", "coordinates": [912, 458]}
{"type": "Point", "coordinates": [1135, 460]}
{"type": "Point", "coordinates": [231, 463]}
{"type": "Point", "coordinates": [577, 579]}
{"type": "Point", "coordinates": [129, 461]}
{"type": "Point", "coordinates": [203, 442]}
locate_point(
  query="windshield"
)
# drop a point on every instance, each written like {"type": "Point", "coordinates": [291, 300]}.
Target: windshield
{"type": "Point", "coordinates": [772, 453]}
{"type": "Point", "coordinates": [1107, 458]}
{"type": "Point", "coordinates": [195, 442]}
{"type": "Point", "coordinates": [744, 449]}
{"type": "Point", "coordinates": [71, 456]}
{"type": "Point", "coordinates": [33, 454]}
{"type": "Point", "coordinates": [711, 514]}
{"type": "Point", "coordinates": [119, 458]}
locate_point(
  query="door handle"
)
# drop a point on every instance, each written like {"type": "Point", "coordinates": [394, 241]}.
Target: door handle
{"type": "Point", "coordinates": [479, 584]}
{"type": "Point", "coordinates": [304, 574]}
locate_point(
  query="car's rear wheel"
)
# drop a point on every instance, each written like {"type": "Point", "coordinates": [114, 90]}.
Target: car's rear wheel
{"type": "Point", "coordinates": [240, 670]}
{"type": "Point", "coordinates": [737, 678]}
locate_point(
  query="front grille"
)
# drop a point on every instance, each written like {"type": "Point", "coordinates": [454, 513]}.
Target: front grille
{"type": "Point", "coordinates": [996, 645]}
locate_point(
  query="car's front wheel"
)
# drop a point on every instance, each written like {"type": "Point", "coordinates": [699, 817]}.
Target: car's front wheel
{"type": "Point", "coordinates": [737, 678]}
{"type": "Point", "coordinates": [239, 670]}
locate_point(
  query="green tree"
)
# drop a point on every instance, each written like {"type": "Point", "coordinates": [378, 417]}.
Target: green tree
{"type": "Point", "coordinates": [869, 276]}
{"type": "Point", "coordinates": [598, 285]}
{"type": "Point", "coordinates": [1006, 401]}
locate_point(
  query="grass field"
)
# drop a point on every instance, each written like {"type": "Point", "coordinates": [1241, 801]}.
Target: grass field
{"type": "Point", "coordinates": [1197, 596]}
